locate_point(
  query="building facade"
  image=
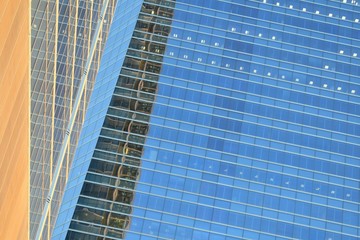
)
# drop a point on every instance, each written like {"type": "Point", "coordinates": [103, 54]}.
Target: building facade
{"type": "Point", "coordinates": [221, 120]}
{"type": "Point", "coordinates": [14, 119]}
{"type": "Point", "coordinates": [61, 35]}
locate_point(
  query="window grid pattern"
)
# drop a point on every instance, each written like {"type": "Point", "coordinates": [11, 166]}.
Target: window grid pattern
{"type": "Point", "coordinates": [113, 56]}
{"type": "Point", "coordinates": [249, 131]}
{"type": "Point", "coordinates": [225, 114]}
{"type": "Point", "coordinates": [61, 33]}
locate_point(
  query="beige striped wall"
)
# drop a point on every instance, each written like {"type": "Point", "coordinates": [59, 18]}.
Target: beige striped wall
{"type": "Point", "coordinates": [14, 119]}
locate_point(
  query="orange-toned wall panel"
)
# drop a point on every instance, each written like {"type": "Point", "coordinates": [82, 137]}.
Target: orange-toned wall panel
{"type": "Point", "coordinates": [14, 119]}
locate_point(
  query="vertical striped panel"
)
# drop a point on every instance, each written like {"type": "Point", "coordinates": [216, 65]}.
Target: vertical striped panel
{"type": "Point", "coordinates": [14, 119]}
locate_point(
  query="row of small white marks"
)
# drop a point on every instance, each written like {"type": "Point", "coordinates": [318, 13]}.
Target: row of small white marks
{"type": "Point", "coordinates": [269, 74]}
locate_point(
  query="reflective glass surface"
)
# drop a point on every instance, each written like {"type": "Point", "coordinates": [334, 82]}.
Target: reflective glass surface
{"type": "Point", "coordinates": [61, 34]}
{"type": "Point", "coordinates": [230, 120]}
{"type": "Point", "coordinates": [119, 37]}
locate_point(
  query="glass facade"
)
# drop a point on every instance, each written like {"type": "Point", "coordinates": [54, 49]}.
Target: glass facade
{"type": "Point", "coordinates": [61, 34]}
{"type": "Point", "coordinates": [222, 120]}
